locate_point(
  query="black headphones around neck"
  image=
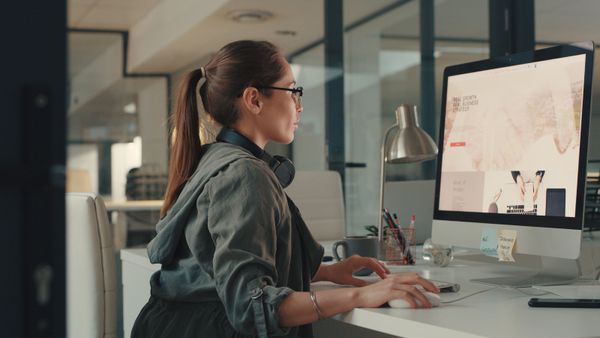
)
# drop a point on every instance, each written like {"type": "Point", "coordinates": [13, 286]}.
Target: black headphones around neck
{"type": "Point", "coordinates": [281, 166]}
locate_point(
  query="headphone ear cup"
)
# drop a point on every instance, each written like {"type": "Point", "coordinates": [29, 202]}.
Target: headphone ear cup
{"type": "Point", "coordinates": [284, 170]}
{"type": "Point", "coordinates": [281, 166]}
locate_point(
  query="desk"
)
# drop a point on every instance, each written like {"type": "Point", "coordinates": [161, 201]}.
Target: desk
{"type": "Point", "coordinates": [142, 205]}
{"type": "Point", "coordinates": [136, 272]}
{"type": "Point", "coordinates": [120, 228]}
{"type": "Point", "coordinates": [495, 313]}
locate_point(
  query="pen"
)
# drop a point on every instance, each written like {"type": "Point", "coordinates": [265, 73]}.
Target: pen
{"type": "Point", "coordinates": [407, 252]}
{"type": "Point", "coordinates": [388, 219]}
{"type": "Point", "coordinates": [400, 235]}
{"type": "Point", "coordinates": [396, 219]}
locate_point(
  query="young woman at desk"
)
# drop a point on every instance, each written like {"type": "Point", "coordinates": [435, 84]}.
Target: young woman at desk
{"type": "Point", "coordinates": [237, 258]}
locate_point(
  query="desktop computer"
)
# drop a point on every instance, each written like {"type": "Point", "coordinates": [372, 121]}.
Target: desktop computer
{"type": "Point", "coordinates": [512, 156]}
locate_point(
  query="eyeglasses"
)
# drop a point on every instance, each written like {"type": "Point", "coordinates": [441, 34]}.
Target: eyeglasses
{"type": "Point", "coordinates": [296, 92]}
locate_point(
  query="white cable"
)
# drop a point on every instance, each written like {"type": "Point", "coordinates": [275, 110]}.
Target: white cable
{"type": "Point", "coordinates": [469, 295]}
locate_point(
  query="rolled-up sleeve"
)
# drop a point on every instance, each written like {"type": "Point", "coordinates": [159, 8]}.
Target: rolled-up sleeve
{"type": "Point", "coordinates": [246, 208]}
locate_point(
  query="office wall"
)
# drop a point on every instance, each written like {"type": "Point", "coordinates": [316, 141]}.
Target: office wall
{"type": "Point", "coordinates": [84, 157]}
{"type": "Point", "coordinates": [152, 120]}
{"type": "Point", "coordinates": [309, 145]}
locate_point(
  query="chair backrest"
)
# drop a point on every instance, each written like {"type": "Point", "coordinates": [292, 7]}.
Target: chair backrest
{"type": "Point", "coordinates": [318, 195]}
{"type": "Point", "coordinates": [91, 271]}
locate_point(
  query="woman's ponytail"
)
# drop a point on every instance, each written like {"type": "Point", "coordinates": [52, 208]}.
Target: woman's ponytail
{"type": "Point", "coordinates": [233, 68]}
{"type": "Point", "coordinates": [185, 148]}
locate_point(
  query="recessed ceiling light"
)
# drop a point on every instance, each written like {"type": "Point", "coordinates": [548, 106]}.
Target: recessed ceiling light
{"type": "Point", "coordinates": [286, 32]}
{"type": "Point", "coordinates": [249, 15]}
{"type": "Point", "coordinates": [130, 108]}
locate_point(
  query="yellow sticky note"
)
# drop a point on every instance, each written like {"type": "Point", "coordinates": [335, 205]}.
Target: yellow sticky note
{"type": "Point", "coordinates": [506, 245]}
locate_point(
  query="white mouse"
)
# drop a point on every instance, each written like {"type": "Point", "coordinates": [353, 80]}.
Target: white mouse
{"type": "Point", "coordinates": [433, 298]}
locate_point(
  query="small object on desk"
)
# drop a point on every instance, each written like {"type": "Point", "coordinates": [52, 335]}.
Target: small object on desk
{"type": "Point", "coordinates": [565, 302]}
{"type": "Point", "coordinates": [437, 254]}
{"type": "Point", "coordinates": [327, 259]}
{"type": "Point", "coordinates": [400, 303]}
{"type": "Point", "coordinates": [447, 286]}
{"type": "Point", "coordinates": [409, 240]}
{"type": "Point", "coordinates": [404, 241]}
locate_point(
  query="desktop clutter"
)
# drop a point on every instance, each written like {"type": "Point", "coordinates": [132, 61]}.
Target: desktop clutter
{"type": "Point", "coordinates": [398, 244]}
{"type": "Point", "coordinates": [397, 247]}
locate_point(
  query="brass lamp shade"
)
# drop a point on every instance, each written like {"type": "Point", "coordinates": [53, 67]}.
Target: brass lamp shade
{"type": "Point", "coordinates": [406, 142]}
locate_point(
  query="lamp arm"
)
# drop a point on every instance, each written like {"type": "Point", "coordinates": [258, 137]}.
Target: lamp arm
{"type": "Point", "coordinates": [382, 173]}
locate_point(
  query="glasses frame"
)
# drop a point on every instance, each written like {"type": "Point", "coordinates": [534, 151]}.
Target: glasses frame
{"type": "Point", "coordinates": [296, 92]}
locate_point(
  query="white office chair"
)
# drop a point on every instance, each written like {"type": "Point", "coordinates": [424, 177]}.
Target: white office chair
{"type": "Point", "coordinates": [318, 195]}
{"type": "Point", "coordinates": [91, 271]}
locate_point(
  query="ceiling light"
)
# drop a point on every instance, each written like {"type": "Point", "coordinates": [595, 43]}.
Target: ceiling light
{"type": "Point", "coordinates": [249, 15]}
{"type": "Point", "coordinates": [130, 108]}
{"type": "Point", "coordinates": [286, 32]}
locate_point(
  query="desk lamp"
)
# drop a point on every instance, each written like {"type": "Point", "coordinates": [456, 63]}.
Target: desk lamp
{"type": "Point", "coordinates": [404, 142]}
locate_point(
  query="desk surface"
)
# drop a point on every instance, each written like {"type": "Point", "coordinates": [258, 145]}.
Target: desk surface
{"type": "Point", "coordinates": [142, 205]}
{"type": "Point", "coordinates": [494, 313]}
{"type": "Point", "coordinates": [498, 312]}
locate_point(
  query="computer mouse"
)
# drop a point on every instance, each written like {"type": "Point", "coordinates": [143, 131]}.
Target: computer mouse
{"type": "Point", "coordinates": [433, 298]}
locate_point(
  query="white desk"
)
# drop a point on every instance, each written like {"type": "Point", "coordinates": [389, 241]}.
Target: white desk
{"type": "Point", "coordinates": [495, 313]}
{"type": "Point", "coordinates": [136, 272]}
{"type": "Point", "coordinates": [142, 205]}
{"type": "Point", "coordinates": [120, 227]}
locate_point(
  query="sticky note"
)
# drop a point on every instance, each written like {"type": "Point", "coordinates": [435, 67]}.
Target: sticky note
{"type": "Point", "coordinates": [489, 242]}
{"type": "Point", "coordinates": [506, 244]}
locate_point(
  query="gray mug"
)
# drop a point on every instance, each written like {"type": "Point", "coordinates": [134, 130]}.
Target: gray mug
{"type": "Point", "coordinates": [367, 246]}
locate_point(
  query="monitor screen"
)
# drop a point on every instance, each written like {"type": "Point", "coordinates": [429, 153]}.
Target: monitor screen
{"type": "Point", "coordinates": [510, 134]}
{"type": "Point", "coordinates": [513, 146]}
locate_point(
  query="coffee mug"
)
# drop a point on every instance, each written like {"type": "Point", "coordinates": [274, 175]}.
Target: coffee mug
{"type": "Point", "coordinates": [367, 246]}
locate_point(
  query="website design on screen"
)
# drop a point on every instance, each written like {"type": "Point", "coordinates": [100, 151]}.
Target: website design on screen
{"type": "Point", "coordinates": [511, 139]}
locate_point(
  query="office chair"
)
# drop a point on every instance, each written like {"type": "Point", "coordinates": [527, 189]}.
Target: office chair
{"type": "Point", "coordinates": [319, 197]}
{"type": "Point", "coordinates": [91, 271]}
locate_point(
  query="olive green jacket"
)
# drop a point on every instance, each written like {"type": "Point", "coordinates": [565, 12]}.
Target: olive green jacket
{"type": "Point", "coordinates": [228, 237]}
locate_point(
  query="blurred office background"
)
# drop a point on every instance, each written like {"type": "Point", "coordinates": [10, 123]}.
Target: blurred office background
{"type": "Point", "coordinates": [357, 60]}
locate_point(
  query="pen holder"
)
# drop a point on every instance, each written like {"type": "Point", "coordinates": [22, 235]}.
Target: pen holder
{"type": "Point", "coordinates": [398, 246]}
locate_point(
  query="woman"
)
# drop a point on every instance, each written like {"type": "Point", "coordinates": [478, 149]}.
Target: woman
{"type": "Point", "coordinates": [237, 259]}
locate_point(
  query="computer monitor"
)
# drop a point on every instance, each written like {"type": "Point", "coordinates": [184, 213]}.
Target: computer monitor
{"type": "Point", "coordinates": [512, 154]}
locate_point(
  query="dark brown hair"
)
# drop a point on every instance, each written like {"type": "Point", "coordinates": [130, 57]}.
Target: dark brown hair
{"type": "Point", "coordinates": [233, 68]}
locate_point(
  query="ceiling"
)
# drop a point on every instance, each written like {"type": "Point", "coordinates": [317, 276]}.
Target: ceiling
{"type": "Point", "coordinates": [169, 34]}
{"type": "Point", "coordinates": [166, 36]}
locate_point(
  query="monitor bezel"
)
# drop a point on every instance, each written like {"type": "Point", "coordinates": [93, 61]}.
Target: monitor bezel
{"type": "Point", "coordinates": [575, 223]}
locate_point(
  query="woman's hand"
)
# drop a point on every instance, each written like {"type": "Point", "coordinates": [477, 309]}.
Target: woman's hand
{"type": "Point", "coordinates": [396, 286]}
{"type": "Point", "coordinates": [341, 272]}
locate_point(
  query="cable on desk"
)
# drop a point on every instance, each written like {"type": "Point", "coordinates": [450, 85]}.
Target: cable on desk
{"type": "Point", "coordinates": [469, 295]}
{"type": "Point", "coordinates": [541, 293]}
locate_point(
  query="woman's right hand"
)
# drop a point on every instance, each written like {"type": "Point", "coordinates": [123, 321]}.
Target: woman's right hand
{"type": "Point", "coordinates": [402, 285]}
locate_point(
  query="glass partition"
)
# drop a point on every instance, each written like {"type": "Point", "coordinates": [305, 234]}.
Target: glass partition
{"type": "Point", "coordinates": [383, 70]}
{"type": "Point", "coordinates": [116, 129]}
{"type": "Point", "coordinates": [112, 118]}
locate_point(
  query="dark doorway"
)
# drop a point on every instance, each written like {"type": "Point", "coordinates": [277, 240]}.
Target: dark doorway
{"type": "Point", "coordinates": [32, 141]}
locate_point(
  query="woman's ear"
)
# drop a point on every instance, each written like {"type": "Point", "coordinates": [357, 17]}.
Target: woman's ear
{"type": "Point", "coordinates": [251, 100]}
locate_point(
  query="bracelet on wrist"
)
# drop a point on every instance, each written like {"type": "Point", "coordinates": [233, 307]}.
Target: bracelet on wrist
{"type": "Point", "coordinates": [313, 298]}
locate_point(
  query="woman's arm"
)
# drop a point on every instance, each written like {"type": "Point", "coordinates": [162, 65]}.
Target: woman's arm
{"type": "Point", "coordinates": [297, 308]}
